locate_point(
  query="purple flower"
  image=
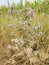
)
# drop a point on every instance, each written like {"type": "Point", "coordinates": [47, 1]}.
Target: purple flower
{"type": "Point", "coordinates": [30, 12]}
{"type": "Point", "coordinates": [15, 25]}
{"type": "Point", "coordinates": [25, 25]}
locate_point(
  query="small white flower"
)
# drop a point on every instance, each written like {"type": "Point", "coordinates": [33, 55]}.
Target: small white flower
{"type": "Point", "coordinates": [15, 26]}
{"type": "Point", "coordinates": [36, 52]}
{"type": "Point", "coordinates": [24, 22]}
{"type": "Point", "coordinates": [15, 41]}
{"type": "Point", "coordinates": [9, 47]}
{"type": "Point", "coordinates": [25, 27]}
{"type": "Point", "coordinates": [9, 11]}
{"type": "Point", "coordinates": [30, 11]}
{"type": "Point", "coordinates": [9, 25]}
{"type": "Point", "coordinates": [39, 25]}
{"type": "Point", "coordinates": [41, 33]}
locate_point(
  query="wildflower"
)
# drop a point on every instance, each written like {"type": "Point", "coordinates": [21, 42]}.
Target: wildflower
{"type": "Point", "coordinates": [41, 33]}
{"type": "Point", "coordinates": [15, 26]}
{"type": "Point", "coordinates": [30, 12]}
{"type": "Point", "coordinates": [9, 47]}
{"type": "Point", "coordinates": [24, 22]}
{"type": "Point", "coordinates": [25, 25]}
{"type": "Point", "coordinates": [36, 53]}
{"type": "Point", "coordinates": [12, 9]}
{"type": "Point", "coordinates": [15, 41]}
{"type": "Point", "coordinates": [29, 52]}
{"type": "Point", "coordinates": [39, 25]}
{"type": "Point", "coordinates": [9, 11]}
{"type": "Point", "coordinates": [9, 25]}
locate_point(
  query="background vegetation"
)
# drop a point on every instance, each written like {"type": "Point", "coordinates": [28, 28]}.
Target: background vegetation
{"type": "Point", "coordinates": [24, 40]}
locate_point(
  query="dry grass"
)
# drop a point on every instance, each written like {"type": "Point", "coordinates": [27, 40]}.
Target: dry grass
{"type": "Point", "coordinates": [9, 29]}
